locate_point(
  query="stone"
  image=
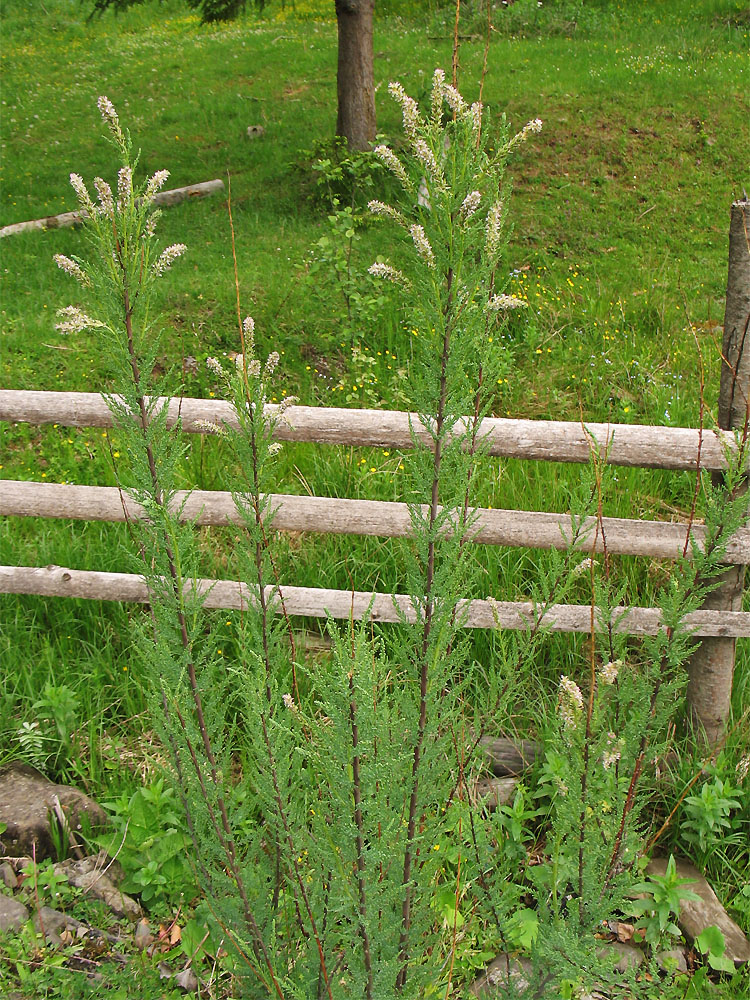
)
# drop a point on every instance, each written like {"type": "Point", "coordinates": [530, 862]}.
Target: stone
{"type": "Point", "coordinates": [7, 876]}
{"type": "Point", "coordinates": [13, 914]}
{"type": "Point", "coordinates": [494, 792]}
{"type": "Point", "coordinates": [628, 956]}
{"type": "Point", "coordinates": [696, 916]}
{"type": "Point", "coordinates": [255, 131]}
{"type": "Point", "coordinates": [27, 799]}
{"type": "Point", "coordinates": [53, 923]}
{"type": "Point", "coordinates": [671, 961]}
{"type": "Point", "coordinates": [99, 886]}
{"type": "Point", "coordinates": [100, 863]}
{"type": "Point", "coordinates": [500, 970]}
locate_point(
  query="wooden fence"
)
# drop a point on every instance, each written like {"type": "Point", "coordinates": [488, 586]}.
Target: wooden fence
{"type": "Point", "coordinates": [655, 447]}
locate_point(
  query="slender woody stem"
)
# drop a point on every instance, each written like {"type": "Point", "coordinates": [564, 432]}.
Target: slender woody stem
{"type": "Point", "coordinates": [426, 633]}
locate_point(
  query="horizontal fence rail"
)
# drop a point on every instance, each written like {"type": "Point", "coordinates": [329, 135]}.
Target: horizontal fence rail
{"type": "Point", "coordinates": [383, 519]}
{"type": "Point", "coordinates": [57, 581]}
{"type": "Point", "coordinates": [631, 445]}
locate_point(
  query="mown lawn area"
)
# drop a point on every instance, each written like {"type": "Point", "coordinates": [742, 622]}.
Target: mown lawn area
{"type": "Point", "coordinates": [619, 211]}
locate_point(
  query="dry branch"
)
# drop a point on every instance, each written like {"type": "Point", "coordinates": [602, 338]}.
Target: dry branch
{"type": "Point", "coordinates": [337, 516]}
{"type": "Point", "coordinates": [56, 581]}
{"type": "Point", "coordinates": [543, 440]}
{"type": "Point", "coordinates": [66, 220]}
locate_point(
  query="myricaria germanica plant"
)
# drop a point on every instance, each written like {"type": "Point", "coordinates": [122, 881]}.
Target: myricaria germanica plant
{"type": "Point", "coordinates": [334, 830]}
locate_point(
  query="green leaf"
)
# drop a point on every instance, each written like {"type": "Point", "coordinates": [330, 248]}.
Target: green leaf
{"type": "Point", "coordinates": [522, 928]}
{"type": "Point", "coordinates": [711, 941]}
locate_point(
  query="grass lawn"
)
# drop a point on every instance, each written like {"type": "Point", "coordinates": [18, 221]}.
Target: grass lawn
{"type": "Point", "coordinates": [620, 211]}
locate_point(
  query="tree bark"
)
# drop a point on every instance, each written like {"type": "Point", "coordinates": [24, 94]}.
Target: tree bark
{"type": "Point", "coordinates": [711, 668]}
{"type": "Point", "coordinates": [356, 89]}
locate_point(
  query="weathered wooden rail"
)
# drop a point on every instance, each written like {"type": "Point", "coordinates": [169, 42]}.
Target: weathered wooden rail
{"type": "Point", "coordinates": [659, 447]}
{"type": "Point", "coordinates": [632, 445]}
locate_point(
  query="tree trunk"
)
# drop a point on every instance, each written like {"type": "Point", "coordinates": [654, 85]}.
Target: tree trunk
{"type": "Point", "coordinates": [356, 90]}
{"type": "Point", "coordinates": [711, 667]}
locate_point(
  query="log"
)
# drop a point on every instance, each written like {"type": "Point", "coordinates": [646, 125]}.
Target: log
{"type": "Point", "coordinates": [509, 758]}
{"type": "Point", "coordinates": [66, 220]}
{"type": "Point", "coordinates": [632, 445]}
{"type": "Point", "coordinates": [57, 581]}
{"type": "Point", "coordinates": [383, 519]}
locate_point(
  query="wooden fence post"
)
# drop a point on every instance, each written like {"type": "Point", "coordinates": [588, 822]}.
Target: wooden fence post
{"type": "Point", "coordinates": [711, 668]}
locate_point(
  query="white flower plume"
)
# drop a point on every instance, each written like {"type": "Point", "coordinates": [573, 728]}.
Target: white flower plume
{"type": "Point", "coordinates": [504, 303]}
{"type": "Point", "coordinates": [469, 205]}
{"type": "Point", "coordinates": [409, 110]}
{"type": "Point", "coordinates": [168, 257]}
{"type": "Point", "coordinates": [73, 320]}
{"type": "Point", "coordinates": [422, 244]}
{"type": "Point", "coordinates": [389, 273]}
{"type": "Point", "coordinates": [108, 113]}
{"type": "Point", "coordinates": [570, 701]}
{"type": "Point", "coordinates": [390, 160]}
{"type": "Point", "coordinates": [155, 184]}
{"type": "Point", "coordinates": [72, 268]}
{"type": "Point", "coordinates": [84, 198]}
{"type": "Point", "coordinates": [124, 188]}
{"type": "Point", "coordinates": [106, 201]}
{"type": "Point", "coordinates": [386, 211]}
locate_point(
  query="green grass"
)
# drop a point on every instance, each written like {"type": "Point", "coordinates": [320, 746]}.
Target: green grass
{"type": "Point", "coordinates": [620, 211]}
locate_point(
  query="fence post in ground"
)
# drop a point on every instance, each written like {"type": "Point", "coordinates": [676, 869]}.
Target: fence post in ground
{"type": "Point", "coordinates": [711, 668]}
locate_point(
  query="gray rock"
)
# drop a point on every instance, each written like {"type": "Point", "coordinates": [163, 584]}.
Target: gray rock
{"type": "Point", "coordinates": [99, 863]}
{"type": "Point", "coordinates": [628, 956]}
{"type": "Point", "coordinates": [100, 887]}
{"type": "Point", "coordinates": [494, 792]}
{"type": "Point", "coordinates": [53, 923]}
{"type": "Point", "coordinates": [255, 131]}
{"type": "Point", "coordinates": [12, 914]}
{"type": "Point", "coordinates": [8, 876]}
{"type": "Point", "coordinates": [671, 961]}
{"type": "Point", "coordinates": [696, 916]}
{"type": "Point", "coordinates": [502, 970]}
{"type": "Point", "coordinates": [27, 799]}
